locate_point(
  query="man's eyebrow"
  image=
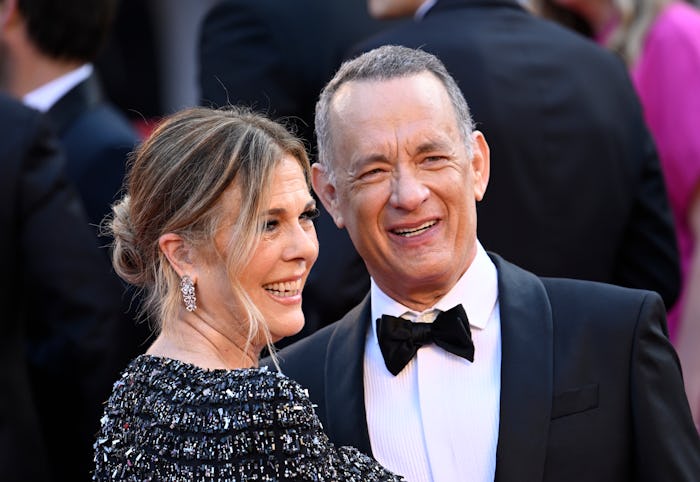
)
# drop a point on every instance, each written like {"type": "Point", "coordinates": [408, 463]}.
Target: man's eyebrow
{"type": "Point", "coordinates": [369, 158]}
{"type": "Point", "coordinates": [430, 146]}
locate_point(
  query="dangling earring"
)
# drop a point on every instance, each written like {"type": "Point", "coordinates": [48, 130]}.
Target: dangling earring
{"type": "Point", "coordinates": [188, 296]}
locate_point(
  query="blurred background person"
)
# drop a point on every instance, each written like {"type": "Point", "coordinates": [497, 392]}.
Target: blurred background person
{"type": "Point", "coordinates": [659, 41]}
{"type": "Point", "coordinates": [217, 226]}
{"type": "Point", "coordinates": [59, 310]}
{"type": "Point", "coordinates": [576, 186]}
{"type": "Point", "coordinates": [276, 56]}
{"type": "Point", "coordinates": [47, 50]}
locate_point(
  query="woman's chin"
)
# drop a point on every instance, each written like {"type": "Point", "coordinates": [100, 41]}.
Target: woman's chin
{"type": "Point", "coordinates": [290, 326]}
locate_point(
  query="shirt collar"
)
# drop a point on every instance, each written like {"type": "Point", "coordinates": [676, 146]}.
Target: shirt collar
{"type": "Point", "coordinates": [44, 97]}
{"type": "Point", "coordinates": [476, 290]}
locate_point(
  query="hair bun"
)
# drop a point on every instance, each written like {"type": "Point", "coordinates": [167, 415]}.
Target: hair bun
{"type": "Point", "coordinates": [127, 257]}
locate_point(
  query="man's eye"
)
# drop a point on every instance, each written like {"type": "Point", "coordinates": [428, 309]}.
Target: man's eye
{"type": "Point", "coordinates": [371, 173]}
{"type": "Point", "coordinates": [434, 158]}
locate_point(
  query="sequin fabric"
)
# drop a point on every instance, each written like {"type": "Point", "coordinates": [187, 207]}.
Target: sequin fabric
{"type": "Point", "coordinates": [167, 420]}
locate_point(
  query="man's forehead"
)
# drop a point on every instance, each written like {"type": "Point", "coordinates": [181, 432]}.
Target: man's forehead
{"type": "Point", "coordinates": [352, 88]}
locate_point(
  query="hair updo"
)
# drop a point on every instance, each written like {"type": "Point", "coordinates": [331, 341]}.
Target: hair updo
{"type": "Point", "coordinates": [175, 180]}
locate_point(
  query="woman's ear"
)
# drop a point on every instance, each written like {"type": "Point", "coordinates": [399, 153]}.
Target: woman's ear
{"type": "Point", "coordinates": [177, 251]}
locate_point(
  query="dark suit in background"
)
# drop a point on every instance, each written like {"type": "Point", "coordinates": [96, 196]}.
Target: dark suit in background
{"type": "Point", "coordinates": [96, 139]}
{"type": "Point", "coordinates": [45, 44]}
{"type": "Point", "coordinates": [567, 412]}
{"type": "Point", "coordinates": [576, 189]}
{"type": "Point", "coordinates": [59, 304]}
{"type": "Point", "coordinates": [275, 57]}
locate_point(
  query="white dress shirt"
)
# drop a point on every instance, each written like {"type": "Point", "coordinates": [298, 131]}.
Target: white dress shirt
{"type": "Point", "coordinates": [44, 97]}
{"type": "Point", "coordinates": [437, 420]}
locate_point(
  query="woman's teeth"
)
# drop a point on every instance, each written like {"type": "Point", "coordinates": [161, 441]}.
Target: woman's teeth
{"type": "Point", "coordinates": [288, 288]}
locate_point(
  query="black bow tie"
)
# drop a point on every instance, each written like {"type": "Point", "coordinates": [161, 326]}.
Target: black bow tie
{"type": "Point", "coordinates": [400, 339]}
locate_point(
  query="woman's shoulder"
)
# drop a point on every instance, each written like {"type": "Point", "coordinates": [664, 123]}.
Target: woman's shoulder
{"type": "Point", "coordinates": [174, 382]}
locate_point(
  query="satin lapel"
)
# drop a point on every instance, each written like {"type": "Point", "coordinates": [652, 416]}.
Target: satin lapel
{"type": "Point", "coordinates": [527, 373]}
{"type": "Point", "coordinates": [345, 393]}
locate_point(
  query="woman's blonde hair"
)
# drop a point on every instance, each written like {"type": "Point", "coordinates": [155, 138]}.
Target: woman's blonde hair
{"type": "Point", "coordinates": [175, 180]}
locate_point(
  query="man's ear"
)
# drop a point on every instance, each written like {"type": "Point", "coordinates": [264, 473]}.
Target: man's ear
{"type": "Point", "coordinates": [177, 251]}
{"type": "Point", "coordinates": [326, 192]}
{"type": "Point", "coordinates": [481, 164]}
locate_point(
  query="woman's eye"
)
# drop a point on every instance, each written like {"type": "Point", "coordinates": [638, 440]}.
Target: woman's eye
{"type": "Point", "coordinates": [270, 225]}
{"type": "Point", "coordinates": [310, 214]}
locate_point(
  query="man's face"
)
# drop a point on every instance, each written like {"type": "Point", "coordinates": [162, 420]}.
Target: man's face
{"type": "Point", "coordinates": [404, 186]}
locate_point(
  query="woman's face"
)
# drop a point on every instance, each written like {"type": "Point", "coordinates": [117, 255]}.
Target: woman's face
{"type": "Point", "coordinates": [280, 264]}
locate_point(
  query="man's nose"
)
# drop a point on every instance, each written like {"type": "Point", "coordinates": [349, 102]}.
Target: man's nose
{"type": "Point", "coordinates": [407, 190]}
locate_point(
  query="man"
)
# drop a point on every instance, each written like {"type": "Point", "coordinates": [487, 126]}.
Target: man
{"type": "Point", "coordinates": [276, 56]}
{"type": "Point", "coordinates": [48, 49]}
{"type": "Point", "coordinates": [58, 298]}
{"type": "Point", "coordinates": [554, 379]}
{"type": "Point", "coordinates": [578, 191]}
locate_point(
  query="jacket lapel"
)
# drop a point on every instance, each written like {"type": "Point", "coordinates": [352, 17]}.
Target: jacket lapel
{"type": "Point", "coordinates": [344, 380]}
{"type": "Point", "coordinates": [526, 374]}
{"type": "Point", "coordinates": [80, 98]}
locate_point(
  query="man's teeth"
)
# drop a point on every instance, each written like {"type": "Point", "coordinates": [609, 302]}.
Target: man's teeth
{"type": "Point", "coordinates": [288, 288]}
{"type": "Point", "coordinates": [407, 233]}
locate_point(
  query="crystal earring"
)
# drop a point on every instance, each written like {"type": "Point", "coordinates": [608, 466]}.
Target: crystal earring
{"type": "Point", "coordinates": [188, 296]}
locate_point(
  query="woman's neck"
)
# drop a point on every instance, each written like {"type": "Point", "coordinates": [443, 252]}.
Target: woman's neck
{"type": "Point", "coordinates": [193, 340]}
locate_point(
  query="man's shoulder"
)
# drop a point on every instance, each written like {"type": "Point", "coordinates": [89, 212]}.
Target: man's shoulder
{"type": "Point", "coordinates": [593, 291]}
{"type": "Point", "coordinates": [565, 295]}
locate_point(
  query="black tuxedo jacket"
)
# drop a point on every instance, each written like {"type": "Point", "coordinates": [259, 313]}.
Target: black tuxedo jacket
{"type": "Point", "coordinates": [591, 388]}
{"type": "Point", "coordinates": [576, 189]}
{"type": "Point", "coordinates": [59, 305]}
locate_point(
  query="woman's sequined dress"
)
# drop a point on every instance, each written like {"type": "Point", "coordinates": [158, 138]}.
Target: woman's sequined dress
{"type": "Point", "coordinates": [171, 421]}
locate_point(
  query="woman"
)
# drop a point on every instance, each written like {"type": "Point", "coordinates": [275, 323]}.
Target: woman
{"type": "Point", "coordinates": [217, 227]}
{"type": "Point", "coordinates": [659, 40]}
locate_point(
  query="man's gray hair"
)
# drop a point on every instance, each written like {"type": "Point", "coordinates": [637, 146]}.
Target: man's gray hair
{"type": "Point", "coordinates": [385, 63]}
